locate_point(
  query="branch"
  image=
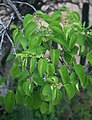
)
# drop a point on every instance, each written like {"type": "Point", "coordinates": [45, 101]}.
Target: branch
{"type": "Point", "coordinates": [2, 39]}
{"type": "Point", "coordinates": [25, 3]}
{"type": "Point", "coordinates": [2, 4]}
{"type": "Point", "coordinates": [14, 8]}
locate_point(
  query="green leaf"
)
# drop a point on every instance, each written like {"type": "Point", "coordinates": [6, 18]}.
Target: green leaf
{"type": "Point", "coordinates": [19, 98]}
{"type": "Point", "coordinates": [53, 79]}
{"type": "Point", "coordinates": [11, 56]}
{"type": "Point", "coordinates": [80, 39]}
{"type": "Point", "coordinates": [73, 78]}
{"type": "Point", "coordinates": [56, 15]}
{"type": "Point", "coordinates": [73, 17]}
{"type": "Point", "coordinates": [9, 101]}
{"type": "Point", "coordinates": [14, 72]}
{"type": "Point", "coordinates": [54, 55]}
{"type": "Point", "coordinates": [37, 79]}
{"type": "Point", "coordinates": [32, 64]}
{"type": "Point", "coordinates": [64, 74]}
{"type": "Point", "coordinates": [13, 26]}
{"type": "Point", "coordinates": [85, 82]}
{"type": "Point", "coordinates": [27, 19]}
{"type": "Point", "coordinates": [30, 28]}
{"type": "Point", "coordinates": [47, 92]}
{"type": "Point", "coordinates": [16, 35]}
{"type": "Point", "coordinates": [89, 57]}
{"type": "Point", "coordinates": [23, 41]}
{"type": "Point", "coordinates": [72, 41]}
{"type": "Point", "coordinates": [20, 87]}
{"type": "Point", "coordinates": [60, 41]}
{"type": "Point", "coordinates": [76, 16]}
{"type": "Point", "coordinates": [58, 97]}
{"type": "Point", "coordinates": [34, 41]}
{"type": "Point", "coordinates": [50, 69]}
{"type": "Point", "coordinates": [56, 30]}
{"type": "Point", "coordinates": [70, 90]}
{"type": "Point", "coordinates": [27, 87]}
{"type": "Point", "coordinates": [63, 8]}
{"type": "Point", "coordinates": [74, 50]}
{"type": "Point", "coordinates": [80, 72]}
{"type": "Point", "coordinates": [46, 17]}
{"type": "Point", "coordinates": [38, 12]}
{"type": "Point", "coordinates": [67, 57]}
{"type": "Point", "coordinates": [42, 66]}
{"type": "Point", "coordinates": [2, 80]}
{"type": "Point", "coordinates": [44, 107]}
{"type": "Point", "coordinates": [34, 101]}
{"type": "Point", "coordinates": [55, 23]}
{"type": "Point", "coordinates": [23, 75]}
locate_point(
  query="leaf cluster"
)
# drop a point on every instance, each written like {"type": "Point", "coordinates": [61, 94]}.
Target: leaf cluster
{"type": "Point", "coordinates": [42, 79]}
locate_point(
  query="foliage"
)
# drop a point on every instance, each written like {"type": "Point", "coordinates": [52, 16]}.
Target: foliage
{"type": "Point", "coordinates": [43, 80]}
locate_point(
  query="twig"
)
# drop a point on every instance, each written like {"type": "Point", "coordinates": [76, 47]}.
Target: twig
{"type": "Point", "coordinates": [5, 32]}
{"type": "Point", "coordinates": [14, 50]}
{"type": "Point", "coordinates": [90, 73]}
{"type": "Point", "coordinates": [2, 39]}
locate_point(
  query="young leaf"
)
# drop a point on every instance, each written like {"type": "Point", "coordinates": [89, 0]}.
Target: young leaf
{"type": "Point", "coordinates": [75, 16]}
{"type": "Point", "coordinates": [42, 66]}
{"type": "Point", "coordinates": [64, 74]}
{"type": "Point", "coordinates": [70, 90]}
{"type": "Point", "coordinates": [53, 79]}
{"type": "Point", "coordinates": [9, 101]}
{"type": "Point", "coordinates": [80, 72]}
{"type": "Point", "coordinates": [54, 55]}
{"type": "Point", "coordinates": [89, 57]}
{"type": "Point", "coordinates": [32, 64]}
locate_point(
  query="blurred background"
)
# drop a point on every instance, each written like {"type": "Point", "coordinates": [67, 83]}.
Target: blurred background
{"type": "Point", "coordinates": [80, 107]}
